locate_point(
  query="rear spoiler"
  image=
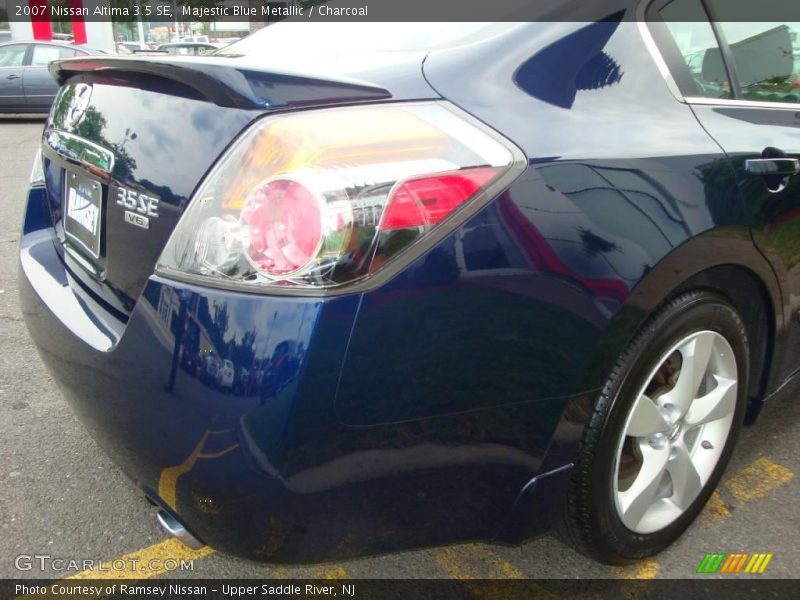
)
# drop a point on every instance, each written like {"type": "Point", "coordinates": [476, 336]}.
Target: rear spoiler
{"type": "Point", "coordinates": [228, 85]}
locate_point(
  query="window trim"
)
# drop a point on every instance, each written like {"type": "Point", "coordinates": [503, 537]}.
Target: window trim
{"type": "Point", "coordinates": [725, 49]}
{"type": "Point", "coordinates": [649, 39]}
{"type": "Point", "coordinates": [643, 10]}
{"type": "Point", "coordinates": [742, 102]}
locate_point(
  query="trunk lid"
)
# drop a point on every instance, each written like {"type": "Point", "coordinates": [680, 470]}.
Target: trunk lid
{"type": "Point", "coordinates": [129, 139]}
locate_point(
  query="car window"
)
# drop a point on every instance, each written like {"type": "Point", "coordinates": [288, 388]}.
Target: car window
{"type": "Point", "coordinates": [12, 56]}
{"type": "Point", "coordinates": [766, 59]}
{"type": "Point", "coordinates": [694, 37]}
{"type": "Point", "coordinates": [44, 55]}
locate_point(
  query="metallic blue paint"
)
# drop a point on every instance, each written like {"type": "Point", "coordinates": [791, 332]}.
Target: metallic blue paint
{"type": "Point", "coordinates": [448, 403]}
{"type": "Point", "coordinates": [273, 461]}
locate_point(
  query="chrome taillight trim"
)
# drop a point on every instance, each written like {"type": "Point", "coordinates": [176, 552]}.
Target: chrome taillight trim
{"type": "Point", "coordinates": [394, 265]}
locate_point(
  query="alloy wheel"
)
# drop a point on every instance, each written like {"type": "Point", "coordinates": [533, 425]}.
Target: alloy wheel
{"type": "Point", "coordinates": [675, 432]}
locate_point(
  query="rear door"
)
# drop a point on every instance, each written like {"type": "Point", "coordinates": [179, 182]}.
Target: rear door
{"type": "Point", "coordinates": [39, 87]}
{"type": "Point", "coordinates": [743, 82]}
{"type": "Point", "coordinates": [12, 65]}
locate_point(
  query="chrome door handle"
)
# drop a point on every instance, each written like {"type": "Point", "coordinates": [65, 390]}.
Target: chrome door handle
{"type": "Point", "coordinates": [765, 167]}
{"type": "Point", "coordinates": [13, 77]}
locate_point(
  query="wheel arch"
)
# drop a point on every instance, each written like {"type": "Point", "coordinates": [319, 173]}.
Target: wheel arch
{"type": "Point", "coordinates": [726, 262]}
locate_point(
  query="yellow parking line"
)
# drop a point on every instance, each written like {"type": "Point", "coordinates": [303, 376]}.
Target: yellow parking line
{"type": "Point", "coordinates": [327, 572]}
{"type": "Point", "coordinates": [476, 566]}
{"type": "Point", "coordinates": [716, 508]}
{"type": "Point", "coordinates": [450, 562]}
{"type": "Point", "coordinates": [465, 562]}
{"type": "Point", "coordinates": [455, 562]}
{"type": "Point", "coordinates": [334, 573]}
{"type": "Point", "coordinates": [757, 480]}
{"type": "Point", "coordinates": [147, 562]}
{"type": "Point", "coordinates": [498, 564]}
{"type": "Point", "coordinates": [645, 569]}
{"type": "Point", "coordinates": [469, 562]}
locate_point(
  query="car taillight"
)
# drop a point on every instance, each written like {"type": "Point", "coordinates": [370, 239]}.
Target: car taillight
{"type": "Point", "coordinates": [284, 222]}
{"type": "Point", "coordinates": [323, 198]}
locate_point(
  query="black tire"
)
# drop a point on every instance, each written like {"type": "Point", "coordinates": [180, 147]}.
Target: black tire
{"type": "Point", "coordinates": [591, 522]}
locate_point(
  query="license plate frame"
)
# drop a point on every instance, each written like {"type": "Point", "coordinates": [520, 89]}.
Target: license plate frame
{"type": "Point", "coordinates": [83, 211]}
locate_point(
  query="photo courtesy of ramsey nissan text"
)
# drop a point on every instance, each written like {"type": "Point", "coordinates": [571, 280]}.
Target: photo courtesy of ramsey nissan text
{"type": "Point", "coordinates": [371, 298]}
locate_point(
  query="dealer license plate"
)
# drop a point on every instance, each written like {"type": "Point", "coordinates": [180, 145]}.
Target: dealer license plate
{"type": "Point", "coordinates": [83, 205]}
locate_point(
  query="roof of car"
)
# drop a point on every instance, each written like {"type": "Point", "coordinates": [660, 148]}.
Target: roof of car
{"type": "Point", "coordinates": [82, 47]}
{"type": "Point", "coordinates": [46, 43]}
{"type": "Point", "coordinates": [180, 44]}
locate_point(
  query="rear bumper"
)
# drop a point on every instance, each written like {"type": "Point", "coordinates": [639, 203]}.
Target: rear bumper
{"type": "Point", "coordinates": [264, 468]}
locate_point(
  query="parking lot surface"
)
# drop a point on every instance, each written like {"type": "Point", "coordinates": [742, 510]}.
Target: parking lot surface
{"type": "Point", "coordinates": [61, 496]}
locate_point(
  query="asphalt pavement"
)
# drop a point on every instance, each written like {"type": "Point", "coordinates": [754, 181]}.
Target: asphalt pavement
{"type": "Point", "coordinates": [61, 496]}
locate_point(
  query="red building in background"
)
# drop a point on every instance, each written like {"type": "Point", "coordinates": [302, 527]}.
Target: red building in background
{"type": "Point", "coordinates": [97, 35]}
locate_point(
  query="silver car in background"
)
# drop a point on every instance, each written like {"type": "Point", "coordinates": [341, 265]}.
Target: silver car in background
{"type": "Point", "coordinates": [25, 84]}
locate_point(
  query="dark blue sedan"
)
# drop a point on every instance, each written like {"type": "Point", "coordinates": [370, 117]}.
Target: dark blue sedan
{"type": "Point", "coordinates": [346, 289]}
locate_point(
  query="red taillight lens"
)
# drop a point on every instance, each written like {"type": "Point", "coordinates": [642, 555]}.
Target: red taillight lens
{"type": "Point", "coordinates": [429, 200]}
{"type": "Point", "coordinates": [322, 198]}
{"type": "Point", "coordinates": [284, 222]}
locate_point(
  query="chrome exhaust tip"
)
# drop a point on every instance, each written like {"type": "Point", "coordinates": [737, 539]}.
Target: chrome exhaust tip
{"type": "Point", "coordinates": [174, 527]}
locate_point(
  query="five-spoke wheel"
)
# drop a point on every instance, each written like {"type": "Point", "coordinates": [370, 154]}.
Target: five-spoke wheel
{"type": "Point", "coordinates": [675, 432]}
{"type": "Point", "coordinates": [661, 432]}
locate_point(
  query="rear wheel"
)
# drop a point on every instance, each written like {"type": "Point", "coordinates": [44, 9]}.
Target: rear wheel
{"type": "Point", "coordinates": [662, 431]}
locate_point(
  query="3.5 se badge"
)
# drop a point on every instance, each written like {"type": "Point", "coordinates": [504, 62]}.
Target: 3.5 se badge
{"type": "Point", "coordinates": [140, 207]}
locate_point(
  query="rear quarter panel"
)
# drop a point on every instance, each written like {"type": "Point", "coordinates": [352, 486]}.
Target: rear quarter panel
{"type": "Point", "coordinates": [535, 297]}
